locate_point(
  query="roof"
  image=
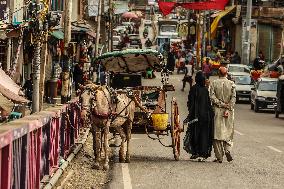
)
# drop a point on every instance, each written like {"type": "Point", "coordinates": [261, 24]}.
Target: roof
{"type": "Point", "coordinates": [239, 74]}
{"type": "Point", "coordinates": [238, 65]}
{"type": "Point", "coordinates": [267, 79]}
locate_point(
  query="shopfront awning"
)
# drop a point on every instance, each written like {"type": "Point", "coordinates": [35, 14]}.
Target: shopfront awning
{"type": "Point", "coordinates": [218, 17]}
{"type": "Point", "coordinates": [58, 34]}
{"type": "Point", "coordinates": [9, 89]}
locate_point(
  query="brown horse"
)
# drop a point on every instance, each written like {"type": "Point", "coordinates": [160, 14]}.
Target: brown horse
{"type": "Point", "coordinates": [107, 110]}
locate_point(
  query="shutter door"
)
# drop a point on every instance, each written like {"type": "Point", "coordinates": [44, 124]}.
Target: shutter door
{"type": "Point", "coordinates": [264, 40]}
{"type": "Point", "coordinates": [277, 35]}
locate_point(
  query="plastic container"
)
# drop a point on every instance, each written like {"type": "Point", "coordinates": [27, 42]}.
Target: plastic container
{"type": "Point", "coordinates": [160, 121]}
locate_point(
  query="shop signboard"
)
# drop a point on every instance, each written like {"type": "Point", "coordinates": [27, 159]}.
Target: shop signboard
{"type": "Point", "coordinates": [3, 9]}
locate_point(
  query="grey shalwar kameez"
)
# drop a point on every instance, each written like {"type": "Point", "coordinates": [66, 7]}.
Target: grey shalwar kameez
{"type": "Point", "coordinates": [223, 97]}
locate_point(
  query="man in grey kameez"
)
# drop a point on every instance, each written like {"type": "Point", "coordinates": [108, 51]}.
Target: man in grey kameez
{"type": "Point", "coordinates": [223, 97]}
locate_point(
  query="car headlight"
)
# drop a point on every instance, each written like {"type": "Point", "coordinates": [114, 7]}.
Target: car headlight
{"type": "Point", "coordinates": [260, 98]}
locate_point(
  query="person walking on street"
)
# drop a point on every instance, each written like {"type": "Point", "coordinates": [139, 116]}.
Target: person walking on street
{"type": "Point", "coordinates": [78, 75]}
{"type": "Point", "coordinates": [201, 120]}
{"type": "Point", "coordinates": [207, 68]}
{"type": "Point", "coordinates": [189, 70]}
{"type": "Point", "coordinates": [223, 97]}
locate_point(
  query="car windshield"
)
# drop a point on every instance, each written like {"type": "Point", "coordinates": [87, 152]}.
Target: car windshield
{"type": "Point", "coordinates": [238, 69]}
{"type": "Point", "coordinates": [168, 28]}
{"type": "Point", "coordinates": [134, 37]}
{"type": "Point", "coordinates": [242, 80]}
{"type": "Point", "coordinates": [267, 86]}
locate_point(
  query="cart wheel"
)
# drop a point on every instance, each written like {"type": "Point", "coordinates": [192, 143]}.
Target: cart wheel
{"type": "Point", "coordinates": [175, 129]}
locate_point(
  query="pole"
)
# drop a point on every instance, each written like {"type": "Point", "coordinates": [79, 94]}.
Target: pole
{"type": "Point", "coordinates": [9, 49]}
{"type": "Point", "coordinates": [198, 41]}
{"type": "Point", "coordinates": [36, 65]}
{"type": "Point", "coordinates": [246, 45]}
{"type": "Point", "coordinates": [204, 35]}
{"type": "Point", "coordinates": [98, 29]}
{"type": "Point", "coordinates": [110, 33]}
{"type": "Point", "coordinates": [44, 54]}
{"type": "Point", "coordinates": [103, 24]}
{"type": "Point", "coordinates": [67, 38]}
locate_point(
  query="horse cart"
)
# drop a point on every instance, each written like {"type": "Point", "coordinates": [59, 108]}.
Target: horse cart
{"type": "Point", "coordinates": [124, 76]}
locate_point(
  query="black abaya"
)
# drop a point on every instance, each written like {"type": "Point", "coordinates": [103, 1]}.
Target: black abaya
{"type": "Point", "coordinates": [201, 132]}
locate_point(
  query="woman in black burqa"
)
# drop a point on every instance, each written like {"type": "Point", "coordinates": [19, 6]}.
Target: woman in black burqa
{"type": "Point", "coordinates": [200, 130]}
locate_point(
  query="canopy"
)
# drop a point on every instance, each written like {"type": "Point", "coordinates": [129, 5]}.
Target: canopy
{"type": "Point", "coordinates": [10, 89]}
{"type": "Point", "coordinates": [129, 61]}
{"type": "Point", "coordinates": [167, 7]}
{"type": "Point", "coordinates": [218, 17]}
{"type": "Point", "coordinates": [129, 15]}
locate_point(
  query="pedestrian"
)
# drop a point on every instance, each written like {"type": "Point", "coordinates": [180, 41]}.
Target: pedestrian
{"type": "Point", "coordinates": [78, 75]}
{"type": "Point", "coordinates": [201, 119]}
{"type": "Point", "coordinates": [171, 61]}
{"type": "Point", "coordinates": [223, 97]}
{"type": "Point", "coordinates": [236, 59]}
{"type": "Point", "coordinates": [189, 70]}
{"type": "Point", "coordinates": [28, 86]}
{"type": "Point", "coordinates": [207, 68]}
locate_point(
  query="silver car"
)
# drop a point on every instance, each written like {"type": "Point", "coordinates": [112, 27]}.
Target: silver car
{"type": "Point", "coordinates": [263, 95]}
{"type": "Point", "coordinates": [244, 84]}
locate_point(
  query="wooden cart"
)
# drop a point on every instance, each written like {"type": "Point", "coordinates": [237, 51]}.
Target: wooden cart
{"type": "Point", "coordinates": [151, 114]}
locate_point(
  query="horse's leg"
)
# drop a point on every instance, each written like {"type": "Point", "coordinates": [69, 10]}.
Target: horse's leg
{"type": "Point", "coordinates": [97, 147]}
{"type": "Point", "coordinates": [106, 132]}
{"type": "Point", "coordinates": [119, 129]}
{"type": "Point", "coordinates": [128, 137]}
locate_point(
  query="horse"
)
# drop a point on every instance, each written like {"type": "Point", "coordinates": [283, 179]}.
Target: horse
{"type": "Point", "coordinates": [107, 109]}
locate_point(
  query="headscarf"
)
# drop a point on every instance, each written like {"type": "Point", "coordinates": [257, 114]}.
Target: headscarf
{"type": "Point", "coordinates": [200, 79]}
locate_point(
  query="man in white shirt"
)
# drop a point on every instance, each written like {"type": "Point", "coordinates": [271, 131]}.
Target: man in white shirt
{"type": "Point", "coordinates": [188, 75]}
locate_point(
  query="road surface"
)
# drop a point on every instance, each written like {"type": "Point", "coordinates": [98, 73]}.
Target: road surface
{"type": "Point", "coordinates": [258, 156]}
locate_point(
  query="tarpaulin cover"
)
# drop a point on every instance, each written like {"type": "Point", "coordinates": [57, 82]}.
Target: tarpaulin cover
{"type": "Point", "coordinates": [167, 7]}
{"type": "Point", "coordinates": [128, 61]}
{"type": "Point", "coordinates": [10, 89]}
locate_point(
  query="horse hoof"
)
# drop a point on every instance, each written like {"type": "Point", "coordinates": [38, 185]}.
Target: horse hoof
{"type": "Point", "coordinates": [106, 167]}
{"type": "Point", "coordinates": [121, 160]}
{"type": "Point", "coordinates": [96, 166]}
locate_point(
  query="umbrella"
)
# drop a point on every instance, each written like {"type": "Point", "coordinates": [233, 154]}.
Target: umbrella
{"type": "Point", "coordinates": [129, 15]}
{"type": "Point", "coordinates": [127, 61]}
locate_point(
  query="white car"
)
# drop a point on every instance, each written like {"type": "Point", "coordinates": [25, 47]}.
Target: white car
{"type": "Point", "coordinates": [238, 68]}
{"type": "Point", "coordinates": [263, 95]}
{"type": "Point", "coordinates": [147, 23]}
{"type": "Point", "coordinates": [243, 84]}
{"type": "Point", "coordinates": [116, 41]}
{"type": "Point", "coordinates": [120, 29]}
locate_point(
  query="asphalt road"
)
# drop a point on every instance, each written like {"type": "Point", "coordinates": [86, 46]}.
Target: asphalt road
{"type": "Point", "coordinates": [258, 156]}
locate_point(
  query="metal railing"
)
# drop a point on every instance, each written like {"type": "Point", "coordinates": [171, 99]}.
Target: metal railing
{"type": "Point", "coordinates": [33, 147]}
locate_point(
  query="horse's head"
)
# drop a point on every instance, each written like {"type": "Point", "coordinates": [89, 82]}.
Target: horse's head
{"type": "Point", "coordinates": [87, 96]}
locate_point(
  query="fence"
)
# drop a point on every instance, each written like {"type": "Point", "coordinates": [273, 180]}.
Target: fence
{"type": "Point", "coordinates": [32, 147]}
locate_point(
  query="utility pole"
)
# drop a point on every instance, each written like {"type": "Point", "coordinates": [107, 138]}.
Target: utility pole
{"type": "Point", "coordinates": [246, 42]}
{"type": "Point", "coordinates": [98, 28]}
{"type": "Point", "coordinates": [36, 62]}
{"type": "Point", "coordinates": [198, 41]}
{"type": "Point", "coordinates": [204, 35]}
{"type": "Point", "coordinates": [110, 33]}
{"type": "Point", "coordinates": [103, 25]}
{"type": "Point", "coordinates": [67, 38]}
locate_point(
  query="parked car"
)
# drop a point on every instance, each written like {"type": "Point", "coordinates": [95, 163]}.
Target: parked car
{"type": "Point", "coordinates": [147, 23]}
{"type": "Point", "coordinates": [120, 29]}
{"type": "Point", "coordinates": [116, 41]}
{"type": "Point", "coordinates": [232, 68]}
{"type": "Point", "coordinates": [244, 84]}
{"type": "Point", "coordinates": [263, 95]}
{"type": "Point", "coordinates": [135, 41]}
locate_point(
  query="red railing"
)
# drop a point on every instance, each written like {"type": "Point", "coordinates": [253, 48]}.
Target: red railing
{"type": "Point", "coordinates": [31, 147]}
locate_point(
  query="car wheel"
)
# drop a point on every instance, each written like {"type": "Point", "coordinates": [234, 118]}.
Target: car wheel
{"type": "Point", "coordinates": [256, 108]}
{"type": "Point", "coordinates": [251, 106]}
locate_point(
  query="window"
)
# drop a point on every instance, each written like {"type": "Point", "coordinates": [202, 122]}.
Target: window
{"type": "Point", "coordinates": [56, 5]}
